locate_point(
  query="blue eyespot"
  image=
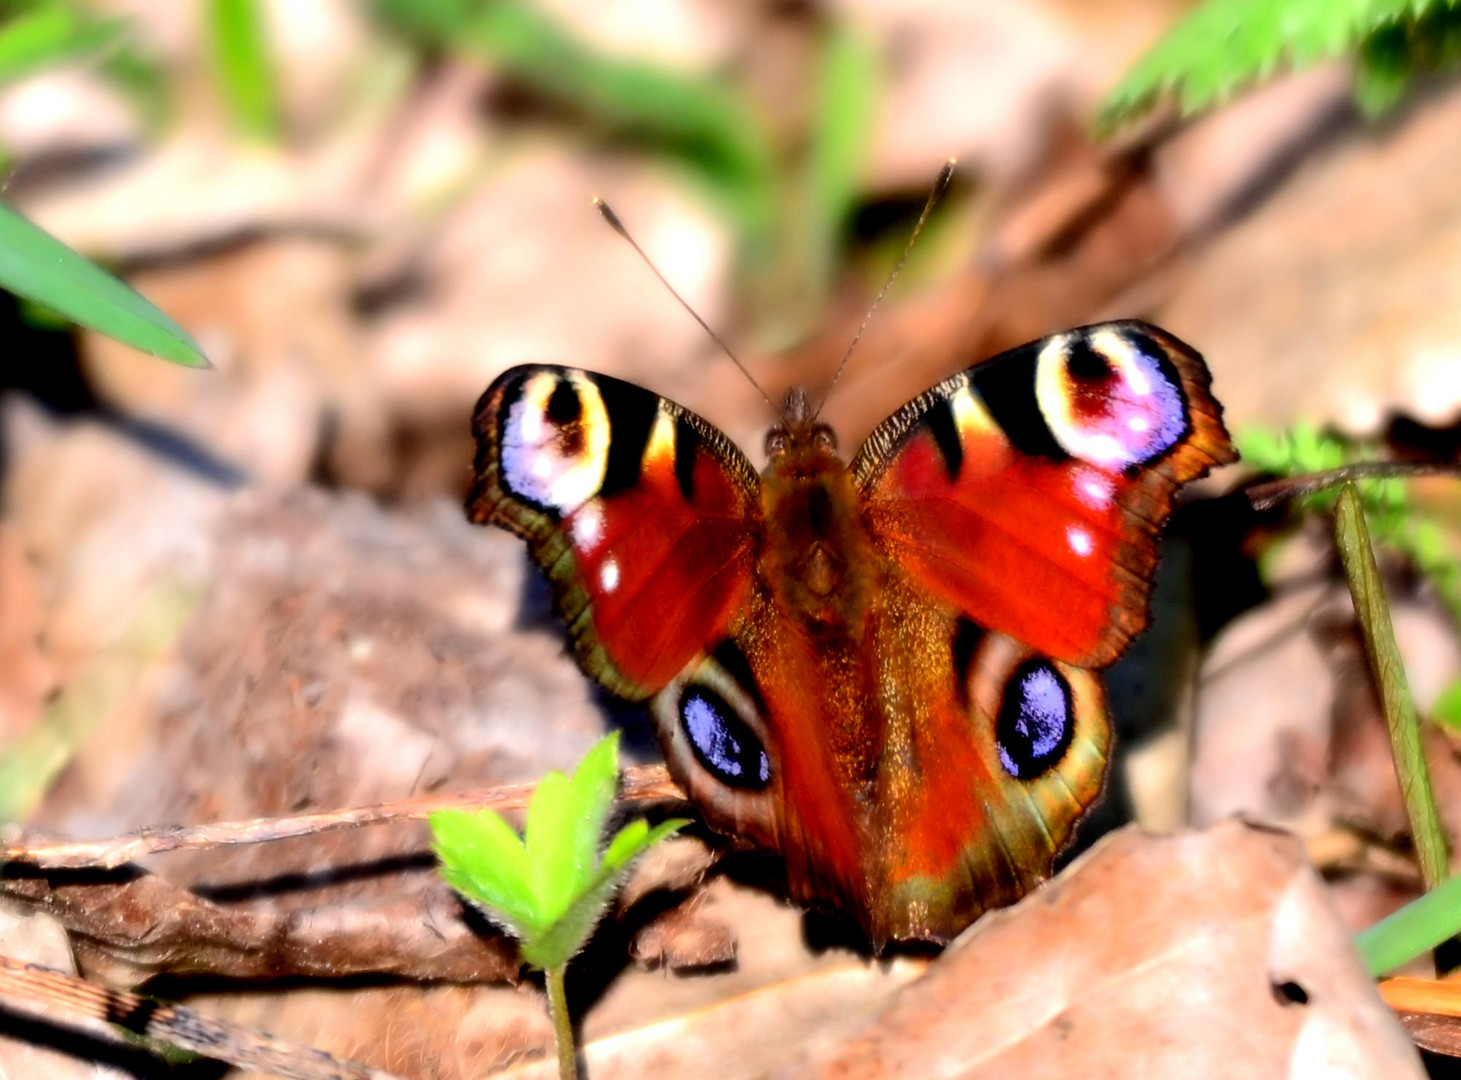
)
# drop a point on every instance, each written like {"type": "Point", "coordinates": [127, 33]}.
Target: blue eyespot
{"type": "Point", "coordinates": [721, 740]}
{"type": "Point", "coordinates": [1036, 720]}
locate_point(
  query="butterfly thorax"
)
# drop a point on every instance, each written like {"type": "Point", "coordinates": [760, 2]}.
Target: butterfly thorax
{"type": "Point", "coordinates": [817, 559]}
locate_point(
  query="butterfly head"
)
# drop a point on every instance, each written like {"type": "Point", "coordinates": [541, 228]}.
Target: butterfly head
{"type": "Point", "coordinates": [799, 436]}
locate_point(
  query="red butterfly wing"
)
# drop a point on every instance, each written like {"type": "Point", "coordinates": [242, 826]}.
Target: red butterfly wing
{"type": "Point", "coordinates": [1028, 491]}
{"type": "Point", "coordinates": [642, 515]}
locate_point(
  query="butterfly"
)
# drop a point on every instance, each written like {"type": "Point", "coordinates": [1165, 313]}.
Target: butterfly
{"type": "Point", "coordinates": [885, 670]}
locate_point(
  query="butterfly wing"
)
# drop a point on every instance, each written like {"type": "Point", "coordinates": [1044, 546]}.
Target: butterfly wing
{"type": "Point", "coordinates": [642, 515]}
{"type": "Point", "coordinates": [1017, 507]}
{"type": "Point", "coordinates": [1028, 492]}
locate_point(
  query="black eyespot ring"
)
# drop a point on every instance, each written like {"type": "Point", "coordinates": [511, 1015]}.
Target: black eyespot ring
{"type": "Point", "coordinates": [721, 740]}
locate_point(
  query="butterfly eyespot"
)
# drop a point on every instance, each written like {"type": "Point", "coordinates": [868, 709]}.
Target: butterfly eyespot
{"type": "Point", "coordinates": [1036, 720]}
{"type": "Point", "coordinates": [1110, 397]}
{"type": "Point", "coordinates": [555, 440]}
{"type": "Point", "coordinates": [721, 740]}
{"type": "Point", "coordinates": [564, 405]}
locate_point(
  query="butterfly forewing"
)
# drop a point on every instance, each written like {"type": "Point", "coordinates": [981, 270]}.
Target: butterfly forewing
{"type": "Point", "coordinates": [1028, 492]}
{"type": "Point", "coordinates": [643, 516]}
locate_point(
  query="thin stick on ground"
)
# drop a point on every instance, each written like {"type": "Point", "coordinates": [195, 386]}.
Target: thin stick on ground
{"type": "Point", "coordinates": [1268, 495]}
{"type": "Point", "coordinates": [644, 783]}
{"type": "Point", "coordinates": [164, 1029]}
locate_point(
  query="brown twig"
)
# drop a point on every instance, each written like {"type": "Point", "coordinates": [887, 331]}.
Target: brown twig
{"type": "Point", "coordinates": [37, 989]}
{"type": "Point", "coordinates": [640, 784]}
{"type": "Point", "coordinates": [1268, 495]}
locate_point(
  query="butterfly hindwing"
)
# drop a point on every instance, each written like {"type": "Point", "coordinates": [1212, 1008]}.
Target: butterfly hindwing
{"type": "Point", "coordinates": [1028, 491]}
{"type": "Point", "coordinates": [642, 515]}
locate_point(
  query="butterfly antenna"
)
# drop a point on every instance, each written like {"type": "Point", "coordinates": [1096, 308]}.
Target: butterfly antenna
{"type": "Point", "coordinates": [940, 185]}
{"type": "Point", "coordinates": [618, 226]}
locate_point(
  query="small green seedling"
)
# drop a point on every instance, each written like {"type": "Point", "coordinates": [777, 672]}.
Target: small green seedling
{"type": "Point", "coordinates": [549, 889]}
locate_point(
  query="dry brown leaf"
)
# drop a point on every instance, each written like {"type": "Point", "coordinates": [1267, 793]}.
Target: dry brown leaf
{"type": "Point", "coordinates": [1209, 953]}
{"type": "Point", "coordinates": [26, 675]}
{"type": "Point", "coordinates": [36, 938]}
{"type": "Point", "coordinates": [128, 926]}
{"type": "Point", "coordinates": [744, 1037]}
{"type": "Point", "coordinates": [1336, 300]}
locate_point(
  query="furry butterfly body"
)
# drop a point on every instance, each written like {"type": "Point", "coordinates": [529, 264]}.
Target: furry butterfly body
{"type": "Point", "coordinates": [883, 670]}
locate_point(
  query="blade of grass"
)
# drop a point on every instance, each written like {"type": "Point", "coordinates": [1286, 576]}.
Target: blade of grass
{"type": "Point", "coordinates": [1414, 930]}
{"type": "Point", "coordinates": [1358, 558]}
{"type": "Point", "coordinates": [51, 34]}
{"type": "Point", "coordinates": [240, 48]}
{"type": "Point", "coordinates": [693, 119]}
{"type": "Point", "coordinates": [37, 266]}
{"type": "Point", "coordinates": [841, 132]}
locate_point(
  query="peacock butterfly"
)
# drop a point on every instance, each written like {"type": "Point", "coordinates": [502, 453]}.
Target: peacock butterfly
{"type": "Point", "coordinates": [884, 671]}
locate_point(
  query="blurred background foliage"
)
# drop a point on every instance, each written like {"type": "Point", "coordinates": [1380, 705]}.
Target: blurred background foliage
{"type": "Point", "coordinates": [358, 261]}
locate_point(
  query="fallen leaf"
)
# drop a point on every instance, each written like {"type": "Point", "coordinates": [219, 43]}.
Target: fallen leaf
{"type": "Point", "coordinates": [1210, 953]}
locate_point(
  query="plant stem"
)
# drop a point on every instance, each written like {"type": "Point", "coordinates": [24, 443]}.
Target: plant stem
{"type": "Point", "coordinates": [562, 1023]}
{"type": "Point", "coordinates": [1389, 673]}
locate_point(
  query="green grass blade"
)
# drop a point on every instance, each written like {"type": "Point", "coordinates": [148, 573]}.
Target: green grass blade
{"type": "Point", "coordinates": [240, 49]}
{"type": "Point", "coordinates": [1355, 553]}
{"type": "Point", "coordinates": [34, 39]}
{"type": "Point", "coordinates": [50, 34]}
{"type": "Point", "coordinates": [1415, 929]}
{"type": "Point", "coordinates": [845, 104]}
{"type": "Point", "coordinates": [38, 267]}
{"type": "Point", "coordinates": [693, 119]}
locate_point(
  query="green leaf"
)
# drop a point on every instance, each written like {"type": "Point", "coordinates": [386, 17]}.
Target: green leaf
{"type": "Point", "coordinates": [1225, 45]}
{"type": "Point", "coordinates": [1447, 708]}
{"type": "Point", "coordinates": [240, 49]}
{"type": "Point", "coordinates": [37, 267]}
{"type": "Point", "coordinates": [635, 839]}
{"type": "Point", "coordinates": [49, 34]}
{"type": "Point", "coordinates": [568, 935]}
{"type": "Point", "coordinates": [560, 942]}
{"type": "Point", "coordinates": [484, 860]}
{"type": "Point", "coordinates": [550, 839]}
{"type": "Point", "coordinates": [566, 823]}
{"type": "Point", "coordinates": [1415, 929]}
